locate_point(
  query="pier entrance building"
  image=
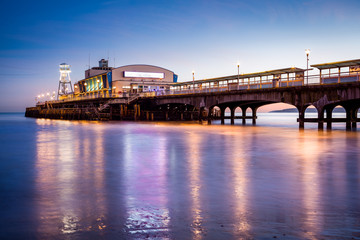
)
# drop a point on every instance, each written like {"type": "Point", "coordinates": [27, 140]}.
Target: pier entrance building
{"type": "Point", "coordinates": [104, 81]}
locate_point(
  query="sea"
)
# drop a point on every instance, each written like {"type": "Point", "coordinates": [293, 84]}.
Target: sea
{"type": "Point", "coordinates": [64, 179]}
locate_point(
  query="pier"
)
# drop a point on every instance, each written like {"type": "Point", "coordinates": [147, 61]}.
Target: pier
{"type": "Point", "coordinates": [208, 99]}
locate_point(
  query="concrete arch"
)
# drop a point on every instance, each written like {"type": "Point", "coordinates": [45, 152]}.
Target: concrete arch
{"type": "Point", "coordinates": [244, 107]}
{"type": "Point", "coordinates": [238, 110]}
{"type": "Point", "coordinates": [350, 118]}
{"type": "Point", "coordinates": [310, 110]}
{"type": "Point", "coordinates": [338, 107]}
{"type": "Point", "coordinates": [334, 109]}
{"type": "Point", "coordinates": [276, 107]}
{"type": "Point", "coordinates": [214, 113]}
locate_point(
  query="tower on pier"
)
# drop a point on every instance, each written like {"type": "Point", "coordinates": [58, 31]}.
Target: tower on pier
{"type": "Point", "coordinates": [65, 86]}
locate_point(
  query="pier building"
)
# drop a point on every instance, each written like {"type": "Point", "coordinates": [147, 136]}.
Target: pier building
{"type": "Point", "coordinates": [104, 81]}
{"type": "Point", "coordinates": [339, 72]}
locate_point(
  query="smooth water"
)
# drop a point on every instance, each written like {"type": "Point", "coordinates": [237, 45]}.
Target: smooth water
{"type": "Point", "coordinates": [125, 180]}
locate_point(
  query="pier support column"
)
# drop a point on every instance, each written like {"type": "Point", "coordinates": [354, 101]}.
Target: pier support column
{"type": "Point", "coordinates": [243, 110]}
{"type": "Point", "coordinates": [301, 119]}
{"type": "Point", "coordinates": [329, 118]}
{"type": "Point", "coordinates": [135, 112]}
{"type": "Point", "coordinates": [348, 125]}
{"type": "Point", "coordinates": [348, 118]}
{"type": "Point", "coordinates": [354, 111]}
{"type": "Point", "coordinates": [210, 115]}
{"type": "Point", "coordinates": [254, 109]}
{"type": "Point", "coordinates": [203, 114]}
{"type": "Point", "coordinates": [124, 111]}
{"type": "Point", "coordinates": [121, 111]}
{"type": "Point", "coordinates": [182, 116]}
{"type": "Point", "coordinates": [166, 115]}
{"type": "Point", "coordinates": [320, 119]}
{"type": "Point", "coordinates": [138, 113]}
{"type": "Point", "coordinates": [222, 115]}
{"type": "Point", "coordinates": [233, 115]}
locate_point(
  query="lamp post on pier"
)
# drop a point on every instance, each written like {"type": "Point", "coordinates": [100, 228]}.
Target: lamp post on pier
{"type": "Point", "coordinates": [238, 66]}
{"type": "Point", "coordinates": [193, 75]}
{"type": "Point", "coordinates": [307, 51]}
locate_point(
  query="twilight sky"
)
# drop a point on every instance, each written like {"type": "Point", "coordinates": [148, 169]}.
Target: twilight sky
{"type": "Point", "coordinates": [207, 36]}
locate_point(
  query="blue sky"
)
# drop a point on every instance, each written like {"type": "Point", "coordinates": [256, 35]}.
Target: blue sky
{"type": "Point", "coordinates": [209, 37]}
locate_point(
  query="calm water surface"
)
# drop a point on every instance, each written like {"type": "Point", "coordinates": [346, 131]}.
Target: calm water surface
{"type": "Point", "coordinates": [124, 180]}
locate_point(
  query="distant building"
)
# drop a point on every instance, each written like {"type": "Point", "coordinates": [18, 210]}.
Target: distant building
{"type": "Point", "coordinates": [104, 81]}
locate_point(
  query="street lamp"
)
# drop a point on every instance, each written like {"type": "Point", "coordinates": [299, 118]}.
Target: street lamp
{"type": "Point", "coordinates": [307, 51]}
{"type": "Point", "coordinates": [238, 66]}
{"type": "Point", "coordinates": [193, 74]}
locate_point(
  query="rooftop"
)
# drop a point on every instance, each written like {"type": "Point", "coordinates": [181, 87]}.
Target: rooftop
{"type": "Point", "coordinates": [347, 63]}
{"type": "Point", "coordinates": [250, 75]}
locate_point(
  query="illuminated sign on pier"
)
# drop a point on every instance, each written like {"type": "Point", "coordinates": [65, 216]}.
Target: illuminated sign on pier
{"type": "Point", "coordinates": [143, 74]}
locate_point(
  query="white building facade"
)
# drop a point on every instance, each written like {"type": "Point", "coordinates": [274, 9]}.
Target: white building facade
{"type": "Point", "coordinates": [104, 81]}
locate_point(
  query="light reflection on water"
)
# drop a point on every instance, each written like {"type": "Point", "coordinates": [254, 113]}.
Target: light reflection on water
{"type": "Point", "coordinates": [194, 162]}
{"type": "Point", "coordinates": [238, 161]}
{"type": "Point", "coordinates": [189, 181]}
{"type": "Point", "coordinates": [70, 178]}
{"type": "Point", "coordinates": [146, 184]}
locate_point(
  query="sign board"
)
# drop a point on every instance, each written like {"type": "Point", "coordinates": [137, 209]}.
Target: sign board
{"type": "Point", "coordinates": [299, 75]}
{"type": "Point", "coordinates": [354, 69]}
{"type": "Point", "coordinates": [233, 86]}
{"type": "Point", "coordinates": [143, 74]}
{"type": "Point", "coordinates": [277, 76]}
